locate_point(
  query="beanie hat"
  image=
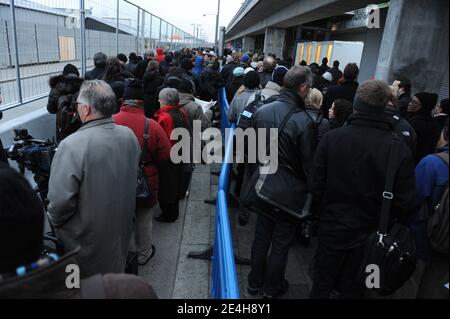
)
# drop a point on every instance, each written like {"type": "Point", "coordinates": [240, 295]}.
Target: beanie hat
{"type": "Point", "coordinates": [187, 64]}
{"type": "Point", "coordinates": [249, 70]}
{"type": "Point", "coordinates": [428, 100]}
{"type": "Point", "coordinates": [239, 71]}
{"type": "Point", "coordinates": [252, 80]}
{"type": "Point", "coordinates": [278, 75]}
{"type": "Point", "coordinates": [186, 86]}
{"type": "Point", "coordinates": [245, 58]}
{"type": "Point", "coordinates": [71, 70]}
{"type": "Point", "coordinates": [134, 90]}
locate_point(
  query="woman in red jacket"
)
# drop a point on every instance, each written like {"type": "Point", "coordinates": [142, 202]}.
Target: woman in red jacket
{"type": "Point", "coordinates": [158, 149]}
{"type": "Point", "coordinates": [174, 178]}
{"type": "Point", "coordinates": [160, 55]}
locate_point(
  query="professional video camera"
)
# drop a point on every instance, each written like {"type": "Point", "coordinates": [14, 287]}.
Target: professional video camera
{"type": "Point", "coordinates": [34, 155]}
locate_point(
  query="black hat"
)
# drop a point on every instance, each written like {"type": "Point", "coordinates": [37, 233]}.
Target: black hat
{"type": "Point", "coordinates": [71, 70]}
{"type": "Point", "coordinates": [278, 74]}
{"type": "Point", "coordinates": [134, 90]}
{"type": "Point", "coordinates": [428, 100]}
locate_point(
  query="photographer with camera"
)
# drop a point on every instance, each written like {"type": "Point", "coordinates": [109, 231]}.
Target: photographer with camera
{"type": "Point", "coordinates": [92, 187]}
{"type": "Point", "coordinates": [61, 101]}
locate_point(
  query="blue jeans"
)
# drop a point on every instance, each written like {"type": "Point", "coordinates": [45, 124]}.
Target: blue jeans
{"type": "Point", "coordinates": [268, 271]}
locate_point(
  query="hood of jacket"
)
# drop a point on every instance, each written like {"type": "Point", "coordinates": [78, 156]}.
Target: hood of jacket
{"type": "Point", "coordinates": [159, 51]}
{"type": "Point", "coordinates": [64, 84]}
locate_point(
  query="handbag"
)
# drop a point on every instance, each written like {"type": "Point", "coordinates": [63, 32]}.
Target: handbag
{"type": "Point", "coordinates": [392, 247]}
{"type": "Point", "coordinates": [143, 193]}
{"type": "Point", "coordinates": [280, 195]}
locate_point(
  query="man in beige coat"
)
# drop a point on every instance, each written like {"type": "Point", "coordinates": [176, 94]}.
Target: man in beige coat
{"type": "Point", "coordinates": [92, 187]}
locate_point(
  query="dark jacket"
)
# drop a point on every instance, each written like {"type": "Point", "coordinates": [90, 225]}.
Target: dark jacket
{"type": "Point", "coordinates": [349, 178]}
{"type": "Point", "coordinates": [131, 67]}
{"type": "Point", "coordinates": [227, 70]}
{"type": "Point", "coordinates": [95, 74]}
{"type": "Point", "coordinates": [297, 141]}
{"type": "Point", "coordinates": [337, 74]}
{"type": "Point", "coordinates": [403, 103]}
{"type": "Point", "coordinates": [141, 68]}
{"type": "Point", "coordinates": [265, 77]}
{"type": "Point", "coordinates": [428, 132]}
{"type": "Point", "coordinates": [402, 128]}
{"type": "Point", "coordinates": [63, 93]}
{"type": "Point", "coordinates": [152, 81]}
{"type": "Point", "coordinates": [164, 67]}
{"type": "Point", "coordinates": [346, 91]}
{"type": "Point", "coordinates": [441, 119]}
{"type": "Point", "coordinates": [49, 282]}
{"type": "Point", "coordinates": [232, 86]}
{"type": "Point", "coordinates": [323, 68]}
{"type": "Point", "coordinates": [118, 86]}
{"type": "Point", "coordinates": [209, 84]}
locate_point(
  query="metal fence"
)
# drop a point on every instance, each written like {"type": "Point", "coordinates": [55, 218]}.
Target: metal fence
{"type": "Point", "coordinates": [224, 282]}
{"type": "Point", "coordinates": [38, 37]}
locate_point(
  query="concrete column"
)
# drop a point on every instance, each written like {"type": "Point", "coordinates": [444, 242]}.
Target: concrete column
{"type": "Point", "coordinates": [248, 43]}
{"type": "Point", "coordinates": [274, 41]}
{"type": "Point", "coordinates": [415, 43]}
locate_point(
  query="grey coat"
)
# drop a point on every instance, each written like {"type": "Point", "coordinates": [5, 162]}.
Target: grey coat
{"type": "Point", "coordinates": [195, 111]}
{"type": "Point", "coordinates": [92, 194]}
{"type": "Point", "coordinates": [238, 104]}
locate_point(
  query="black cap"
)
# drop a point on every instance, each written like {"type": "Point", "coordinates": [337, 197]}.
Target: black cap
{"type": "Point", "coordinates": [134, 90]}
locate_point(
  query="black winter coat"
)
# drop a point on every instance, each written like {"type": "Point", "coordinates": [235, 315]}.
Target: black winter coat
{"type": "Point", "coordinates": [403, 129]}
{"type": "Point", "coordinates": [63, 93]}
{"type": "Point", "coordinates": [141, 68]}
{"type": "Point", "coordinates": [95, 74]}
{"type": "Point", "coordinates": [227, 70]}
{"type": "Point", "coordinates": [210, 83]}
{"type": "Point", "coordinates": [428, 132]}
{"type": "Point", "coordinates": [152, 81]}
{"type": "Point", "coordinates": [346, 91]}
{"type": "Point", "coordinates": [337, 74]}
{"type": "Point", "coordinates": [349, 178]}
{"type": "Point", "coordinates": [297, 141]}
{"type": "Point", "coordinates": [403, 103]}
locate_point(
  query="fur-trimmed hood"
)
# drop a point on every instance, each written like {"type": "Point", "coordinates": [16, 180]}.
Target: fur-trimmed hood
{"type": "Point", "coordinates": [64, 84]}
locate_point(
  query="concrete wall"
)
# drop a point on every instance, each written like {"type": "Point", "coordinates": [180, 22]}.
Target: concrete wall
{"type": "Point", "coordinates": [248, 43]}
{"type": "Point", "coordinates": [274, 41]}
{"type": "Point", "coordinates": [415, 43]}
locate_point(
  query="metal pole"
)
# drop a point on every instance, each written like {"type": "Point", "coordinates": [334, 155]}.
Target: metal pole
{"type": "Point", "coordinates": [16, 49]}
{"type": "Point", "coordinates": [117, 29]}
{"type": "Point", "coordinates": [220, 52]}
{"type": "Point", "coordinates": [137, 30]}
{"type": "Point", "coordinates": [143, 32]}
{"type": "Point", "coordinates": [83, 38]}
{"type": "Point", "coordinates": [216, 43]}
{"type": "Point", "coordinates": [151, 29]}
{"type": "Point", "coordinates": [160, 30]}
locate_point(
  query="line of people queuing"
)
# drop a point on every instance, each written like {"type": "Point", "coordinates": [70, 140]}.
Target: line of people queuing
{"type": "Point", "coordinates": [105, 122]}
{"type": "Point", "coordinates": [337, 143]}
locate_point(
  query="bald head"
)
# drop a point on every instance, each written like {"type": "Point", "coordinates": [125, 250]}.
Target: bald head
{"type": "Point", "coordinates": [269, 64]}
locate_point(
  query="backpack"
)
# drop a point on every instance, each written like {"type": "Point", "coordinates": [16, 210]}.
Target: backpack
{"type": "Point", "coordinates": [67, 121]}
{"type": "Point", "coordinates": [438, 223]}
{"type": "Point", "coordinates": [246, 117]}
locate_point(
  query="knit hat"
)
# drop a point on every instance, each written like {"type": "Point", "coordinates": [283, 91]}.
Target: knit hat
{"type": "Point", "coordinates": [252, 80]}
{"type": "Point", "coordinates": [245, 58]}
{"type": "Point", "coordinates": [134, 90]}
{"type": "Point", "coordinates": [248, 70]}
{"type": "Point", "coordinates": [187, 64]}
{"type": "Point", "coordinates": [278, 75]}
{"type": "Point", "coordinates": [428, 100]}
{"type": "Point", "coordinates": [239, 71]}
{"type": "Point", "coordinates": [71, 70]}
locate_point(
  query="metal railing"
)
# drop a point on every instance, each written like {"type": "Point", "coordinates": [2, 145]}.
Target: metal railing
{"type": "Point", "coordinates": [38, 37]}
{"type": "Point", "coordinates": [224, 277]}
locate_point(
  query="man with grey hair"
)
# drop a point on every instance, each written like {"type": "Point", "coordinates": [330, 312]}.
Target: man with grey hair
{"type": "Point", "coordinates": [348, 180]}
{"type": "Point", "coordinates": [92, 187]}
{"type": "Point", "coordinates": [269, 65]}
{"type": "Point", "coordinates": [100, 67]}
{"type": "Point", "coordinates": [296, 145]}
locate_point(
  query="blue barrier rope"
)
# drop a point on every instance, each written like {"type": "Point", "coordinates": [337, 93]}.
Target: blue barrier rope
{"type": "Point", "coordinates": [224, 276]}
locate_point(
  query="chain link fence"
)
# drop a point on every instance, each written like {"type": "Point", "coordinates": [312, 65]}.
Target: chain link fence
{"type": "Point", "coordinates": [39, 37]}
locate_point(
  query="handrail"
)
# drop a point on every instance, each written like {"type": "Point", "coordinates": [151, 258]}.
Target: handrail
{"type": "Point", "coordinates": [224, 282]}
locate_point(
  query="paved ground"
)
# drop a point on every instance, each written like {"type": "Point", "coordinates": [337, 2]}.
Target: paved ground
{"type": "Point", "coordinates": [173, 275]}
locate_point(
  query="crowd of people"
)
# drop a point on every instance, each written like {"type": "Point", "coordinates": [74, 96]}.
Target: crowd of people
{"type": "Point", "coordinates": [334, 137]}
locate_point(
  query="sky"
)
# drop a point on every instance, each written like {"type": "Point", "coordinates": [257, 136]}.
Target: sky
{"type": "Point", "coordinates": [184, 13]}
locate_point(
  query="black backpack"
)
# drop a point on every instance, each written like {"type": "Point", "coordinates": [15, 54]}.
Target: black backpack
{"type": "Point", "coordinates": [246, 117]}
